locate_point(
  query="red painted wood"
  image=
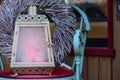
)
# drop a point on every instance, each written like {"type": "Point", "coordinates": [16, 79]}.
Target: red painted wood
{"type": "Point", "coordinates": [99, 52]}
{"type": "Point", "coordinates": [106, 52]}
{"type": "Point", "coordinates": [110, 23]}
{"type": "Point", "coordinates": [110, 51]}
{"type": "Point", "coordinates": [55, 74]}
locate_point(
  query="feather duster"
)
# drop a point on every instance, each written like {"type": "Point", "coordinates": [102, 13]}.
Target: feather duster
{"type": "Point", "coordinates": [59, 12]}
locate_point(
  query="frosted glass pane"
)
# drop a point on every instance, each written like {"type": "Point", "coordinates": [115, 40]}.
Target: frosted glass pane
{"type": "Point", "coordinates": [32, 45]}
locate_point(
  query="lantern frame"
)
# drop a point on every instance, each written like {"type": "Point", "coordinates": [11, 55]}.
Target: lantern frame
{"type": "Point", "coordinates": [32, 67]}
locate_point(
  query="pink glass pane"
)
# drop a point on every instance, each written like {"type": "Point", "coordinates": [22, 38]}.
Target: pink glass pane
{"type": "Point", "coordinates": [32, 45]}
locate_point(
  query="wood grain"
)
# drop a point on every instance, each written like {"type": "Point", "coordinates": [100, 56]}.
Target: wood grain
{"type": "Point", "coordinates": [93, 66]}
{"type": "Point", "coordinates": [98, 30]}
{"type": "Point", "coordinates": [105, 68]}
{"type": "Point", "coordinates": [116, 60]}
{"type": "Point", "coordinates": [85, 69]}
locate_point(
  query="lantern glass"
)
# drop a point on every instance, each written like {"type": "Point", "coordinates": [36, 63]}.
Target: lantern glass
{"type": "Point", "coordinates": [32, 45]}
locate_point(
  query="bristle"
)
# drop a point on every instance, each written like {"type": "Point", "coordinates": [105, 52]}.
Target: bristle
{"type": "Point", "coordinates": [59, 12]}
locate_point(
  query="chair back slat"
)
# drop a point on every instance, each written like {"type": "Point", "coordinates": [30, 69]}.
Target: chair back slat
{"type": "Point", "coordinates": [79, 41]}
{"type": "Point", "coordinates": [1, 63]}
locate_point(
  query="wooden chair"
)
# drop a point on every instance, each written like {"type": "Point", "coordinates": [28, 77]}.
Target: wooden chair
{"type": "Point", "coordinates": [79, 42]}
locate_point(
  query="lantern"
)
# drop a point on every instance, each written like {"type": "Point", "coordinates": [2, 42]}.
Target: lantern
{"type": "Point", "coordinates": [32, 46]}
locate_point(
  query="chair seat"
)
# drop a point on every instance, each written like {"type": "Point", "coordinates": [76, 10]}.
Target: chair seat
{"type": "Point", "coordinates": [55, 74]}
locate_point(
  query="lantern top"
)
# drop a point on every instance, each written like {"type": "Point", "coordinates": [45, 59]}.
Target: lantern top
{"type": "Point", "coordinates": [32, 10]}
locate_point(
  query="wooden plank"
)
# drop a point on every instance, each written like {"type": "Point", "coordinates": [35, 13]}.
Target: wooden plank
{"type": "Point", "coordinates": [6, 63]}
{"type": "Point", "coordinates": [116, 60]}
{"type": "Point", "coordinates": [52, 29]}
{"type": "Point", "coordinates": [116, 65]}
{"type": "Point", "coordinates": [98, 30]}
{"type": "Point", "coordinates": [69, 60]}
{"type": "Point", "coordinates": [105, 68]}
{"type": "Point", "coordinates": [93, 68]}
{"type": "Point", "coordinates": [85, 69]}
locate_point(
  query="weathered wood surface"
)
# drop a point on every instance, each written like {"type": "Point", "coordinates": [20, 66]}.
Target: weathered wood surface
{"type": "Point", "coordinates": [116, 59]}
{"type": "Point", "coordinates": [97, 68]}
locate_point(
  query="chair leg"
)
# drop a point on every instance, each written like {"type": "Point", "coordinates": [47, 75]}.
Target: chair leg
{"type": "Point", "coordinates": [77, 69]}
